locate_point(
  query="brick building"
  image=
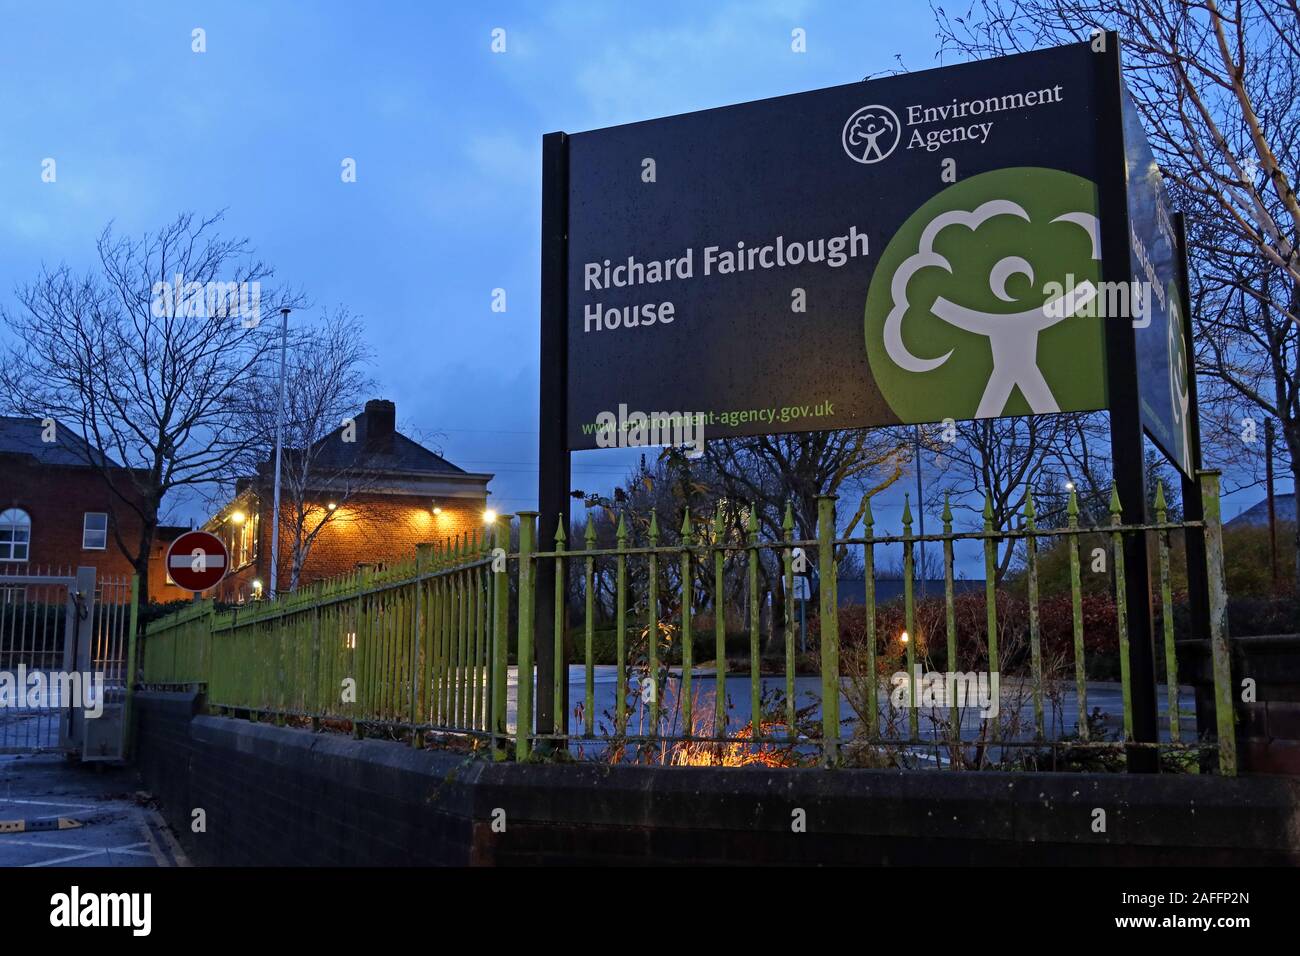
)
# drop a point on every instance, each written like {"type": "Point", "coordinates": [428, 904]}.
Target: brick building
{"type": "Point", "coordinates": [374, 494]}
{"type": "Point", "coordinates": [58, 512]}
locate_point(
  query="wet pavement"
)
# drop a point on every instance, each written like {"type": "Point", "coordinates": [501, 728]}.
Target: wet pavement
{"type": "Point", "coordinates": [119, 825]}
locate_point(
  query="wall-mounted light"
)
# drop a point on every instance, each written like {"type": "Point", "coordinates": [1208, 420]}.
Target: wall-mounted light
{"type": "Point", "coordinates": [332, 505]}
{"type": "Point", "coordinates": [903, 637]}
{"type": "Point", "coordinates": [489, 516]}
{"type": "Point", "coordinates": [257, 587]}
{"type": "Point", "coordinates": [437, 510]}
{"type": "Point", "coordinates": [238, 517]}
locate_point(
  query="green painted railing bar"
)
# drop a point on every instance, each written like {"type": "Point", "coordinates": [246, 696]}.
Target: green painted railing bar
{"type": "Point", "coordinates": [869, 590]}
{"type": "Point", "coordinates": [500, 633]}
{"type": "Point", "coordinates": [1035, 640]}
{"type": "Point", "coordinates": [1225, 721]}
{"type": "Point", "coordinates": [561, 669]}
{"type": "Point", "coordinates": [950, 623]}
{"type": "Point", "coordinates": [527, 535]}
{"type": "Point", "coordinates": [1167, 617]}
{"type": "Point", "coordinates": [686, 703]}
{"type": "Point", "coordinates": [589, 633]}
{"type": "Point", "coordinates": [909, 621]}
{"type": "Point", "coordinates": [755, 675]}
{"type": "Point", "coordinates": [1076, 615]}
{"type": "Point", "coordinates": [719, 631]}
{"type": "Point", "coordinates": [1121, 613]}
{"type": "Point", "coordinates": [830, 628]}
{"type": "Point", "coordinates": [652, 625]}
{"type": "Point", "coordinates": [991, 596]}
{"type": "Point", "coordinates": [620, 629]}
{"type": "Point", "coordinates": [787, 534]}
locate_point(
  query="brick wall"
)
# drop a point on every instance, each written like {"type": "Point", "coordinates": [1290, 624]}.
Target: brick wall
{"type": "Point", "coordinates": [376, 529]}
{"type": "Point", "coordinates": [57, 499]}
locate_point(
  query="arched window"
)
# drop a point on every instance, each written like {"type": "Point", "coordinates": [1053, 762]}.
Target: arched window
{"type": "Point", "coordinates": [15, 535]}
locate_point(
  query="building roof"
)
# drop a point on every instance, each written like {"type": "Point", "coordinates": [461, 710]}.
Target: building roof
{"type": "Point", "coordinates": [378, 451]}
{"type": "Point", "coordinates": [23, 436]}
{"type": "Point", "coordinates": [378, 447]}
{"type": "Point", "coordinates": [1257, 514]}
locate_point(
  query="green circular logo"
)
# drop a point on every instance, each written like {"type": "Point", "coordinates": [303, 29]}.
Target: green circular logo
{"type": "Point", "coordinates": [985, 302]}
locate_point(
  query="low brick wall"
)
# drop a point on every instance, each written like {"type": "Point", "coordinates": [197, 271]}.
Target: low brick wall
{"type": "Point", "coordinates": [279, 796]}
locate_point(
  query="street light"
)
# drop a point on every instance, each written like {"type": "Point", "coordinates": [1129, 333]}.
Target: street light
{"type": "Point", "coordinates": [279, 441]}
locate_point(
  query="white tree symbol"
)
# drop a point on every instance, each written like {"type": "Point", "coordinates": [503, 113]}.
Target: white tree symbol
{"type": "Point", "coordinates": [868, 126]}
{"type": "Point", "coordinates": [1013, 336]}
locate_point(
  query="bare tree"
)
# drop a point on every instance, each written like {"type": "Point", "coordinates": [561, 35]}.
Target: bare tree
{"type": "Point", "coordinates": [1218, 88]}
{"type": "Point", "coordinates": [146, 357]}
{"type": "Point", "coordinates": [325, 383]}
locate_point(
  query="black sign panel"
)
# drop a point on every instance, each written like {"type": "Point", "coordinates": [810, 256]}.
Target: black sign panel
{"type": "Point", "coordinates": [907, 249]}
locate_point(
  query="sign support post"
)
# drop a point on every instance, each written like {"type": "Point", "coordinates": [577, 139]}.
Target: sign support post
{"type": "Point", "coordinates": [553, 457]}
{"type": "Point", "coordinates": [1126, 442]}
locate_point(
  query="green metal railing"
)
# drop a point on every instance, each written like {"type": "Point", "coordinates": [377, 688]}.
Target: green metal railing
{"type": "Point", "coordinates": [425, 647]}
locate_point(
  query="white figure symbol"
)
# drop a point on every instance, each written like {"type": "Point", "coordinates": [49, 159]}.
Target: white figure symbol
{"type": "Point", "coordinates": [1013, 336]}
{"type": "Point", "coordinates": [864, 136]}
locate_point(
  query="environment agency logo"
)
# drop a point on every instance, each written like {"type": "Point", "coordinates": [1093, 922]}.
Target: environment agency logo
{"type": "Point", "coordinates": [980, 304]}
{"type": "Point", "coordinates": [871, 134]}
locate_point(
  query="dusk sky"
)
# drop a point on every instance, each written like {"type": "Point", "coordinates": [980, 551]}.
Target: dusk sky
{"type": "Point", "coordinates": [446, 136]}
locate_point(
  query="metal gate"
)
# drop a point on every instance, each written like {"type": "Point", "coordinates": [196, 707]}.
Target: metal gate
{"type": "Point", "coordinates": [65, 638]}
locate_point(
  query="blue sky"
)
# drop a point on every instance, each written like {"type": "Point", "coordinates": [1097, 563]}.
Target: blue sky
{"type": "Point", "coordinates": [446, 136]}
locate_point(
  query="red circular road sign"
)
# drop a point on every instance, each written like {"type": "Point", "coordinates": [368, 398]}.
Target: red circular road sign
{"type": "Point", "coordinates": [197, 560]}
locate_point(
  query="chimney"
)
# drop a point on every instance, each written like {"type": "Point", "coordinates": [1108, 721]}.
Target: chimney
{"type": "Point", "coordinates": [381, 423]}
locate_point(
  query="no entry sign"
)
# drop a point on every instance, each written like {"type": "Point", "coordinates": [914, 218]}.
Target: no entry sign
{"type": "Point", "coordinates": [197, 560]}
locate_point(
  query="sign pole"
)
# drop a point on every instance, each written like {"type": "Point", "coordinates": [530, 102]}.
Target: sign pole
{"type": "Point", "coordinates": [1126, 443]}
{"type": "Point", "coordinates": [1198, 585]}
{"type": "Point", "coordinates": [553, 482]}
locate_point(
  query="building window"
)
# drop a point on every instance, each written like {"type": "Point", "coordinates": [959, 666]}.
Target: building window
{"type": "Point", "coordinates": [94, 532]}
{"type": "Point", "coordinates": [15, 535]}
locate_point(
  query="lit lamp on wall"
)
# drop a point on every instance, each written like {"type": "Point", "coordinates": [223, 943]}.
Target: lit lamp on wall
{"type": "Point", "coordinates": [238, 517]}
{"type": "Point", "coordinates": [257, 589]}
{"type": "Point", "coordinates": [332, 506]}
{"type": "Point", "coordinates": [489, 516]}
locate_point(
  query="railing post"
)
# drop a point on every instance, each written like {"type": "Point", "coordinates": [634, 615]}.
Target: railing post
{"type": "Point", "coordinates": [527, 538]}
{"type": "Point", "coordinates": [1219, 650]}
{"type": "Point", "coordinates": [830, 627]}
{"type": "Point", "coordinates": [420, 660]}
{"type": "Point", "coordinates": [909, 622]}
{"type": "Point", "coordinates": [500, 634]}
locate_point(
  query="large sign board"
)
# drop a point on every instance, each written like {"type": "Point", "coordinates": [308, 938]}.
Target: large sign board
{"type": "Point", "coordinates": [909, 249]}
{"type": "Point", "coordinates": [1164, 369]}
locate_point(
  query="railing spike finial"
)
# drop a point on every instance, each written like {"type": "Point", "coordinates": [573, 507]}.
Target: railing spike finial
{"type": "Point", "coordinates": [1072, 507]}
{"type": "Point", "coordinates": [1030, 514]}
{"type": "Point", "coordinates": [988, 510]}
{"type": "Point", "coordinates": [559, 530]}
{"type": "Point", "coordinates": [907, 513]}
{"type": "Point", "coordinates": [718, 526]}
{"type": "Point", "coordinates": [1162, 508]}
{"type": "Point", "coordinates": [947, 514]}
{"type": "Point", "coordinates": [654, 527]}
{"type": "Point", "coordinates": [787, 521]}
{"type": "Point", "coordinates": [1115, 508]}
{"type": "Point", "coordinates": [686, 526]}
{"type": "Point", "coordinates": [752, 524]}
{"type": "Point", "coordinates": [591, 532]}
{"type": "Point", "coordinates": [868, 519]}
{"type": "Point", "coordinates": [621, 532]}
